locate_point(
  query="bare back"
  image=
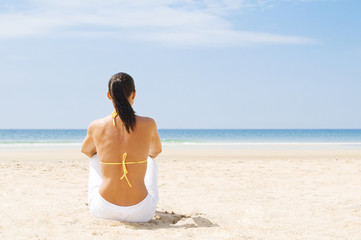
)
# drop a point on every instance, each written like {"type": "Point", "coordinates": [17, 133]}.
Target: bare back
{"type": "Point", "coordinates": [111, 142]}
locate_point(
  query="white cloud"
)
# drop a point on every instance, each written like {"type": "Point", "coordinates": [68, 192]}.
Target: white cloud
{"type": "Point", "coordinates": [171, 22]}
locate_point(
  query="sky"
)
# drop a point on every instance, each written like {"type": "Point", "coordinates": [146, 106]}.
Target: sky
{"type": "Point", "coordinates": [241, 64]}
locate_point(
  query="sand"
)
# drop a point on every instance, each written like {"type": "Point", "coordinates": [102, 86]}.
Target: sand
{"type": "Point", "coordinates": [205, 193]}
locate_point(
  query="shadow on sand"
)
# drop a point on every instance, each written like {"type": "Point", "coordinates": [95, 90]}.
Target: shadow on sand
{"type": "Point", "coordinates": [166, 219]}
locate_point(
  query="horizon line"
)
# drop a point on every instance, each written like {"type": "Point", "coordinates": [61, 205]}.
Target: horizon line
{"type": "Point", "coordinates": [194, 128]}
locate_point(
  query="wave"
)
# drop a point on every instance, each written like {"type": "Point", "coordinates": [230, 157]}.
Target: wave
{"type": "Point", "coordinates": [183, 142]}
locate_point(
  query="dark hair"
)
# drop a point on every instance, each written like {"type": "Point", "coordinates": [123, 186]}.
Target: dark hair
{"type": "Point", "coordinates": [120, 86]}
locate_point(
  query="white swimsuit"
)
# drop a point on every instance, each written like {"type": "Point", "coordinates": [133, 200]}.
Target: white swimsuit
{"type": "Point", "coordinates": [140, 212]}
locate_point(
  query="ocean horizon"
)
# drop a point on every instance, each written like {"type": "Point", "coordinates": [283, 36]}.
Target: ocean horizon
{"type": "Point", "coordinates": [195, 136]}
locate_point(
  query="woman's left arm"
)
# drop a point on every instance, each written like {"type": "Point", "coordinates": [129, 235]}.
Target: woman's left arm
{"type": "Point", "coordinates": [88, 147]}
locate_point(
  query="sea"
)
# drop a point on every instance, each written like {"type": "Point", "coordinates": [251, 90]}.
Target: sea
{"type": "Point", "coordinates": [195, 136]}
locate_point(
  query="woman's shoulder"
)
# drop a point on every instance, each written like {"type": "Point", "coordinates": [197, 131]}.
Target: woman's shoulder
{"type": "Point", "coordinates": [98, 122]}
{"type": "Point", "coordinates": [145, 120]}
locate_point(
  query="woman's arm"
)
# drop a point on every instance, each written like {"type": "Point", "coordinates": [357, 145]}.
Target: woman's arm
{"type": "Point", "coordinates": [88, 147]}
{"type": "Point", "coordinates": [155, 143]}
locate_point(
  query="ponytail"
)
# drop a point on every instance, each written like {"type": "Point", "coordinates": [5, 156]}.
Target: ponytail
{"type": "Point", "coordinates": [121, 85]}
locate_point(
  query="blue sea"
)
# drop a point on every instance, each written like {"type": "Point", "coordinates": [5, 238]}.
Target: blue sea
{"type": "Point", "coordinates": [194, 136]}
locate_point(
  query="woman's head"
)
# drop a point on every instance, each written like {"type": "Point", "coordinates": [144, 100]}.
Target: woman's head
{"type": "Point", "coordinates": [122, 92]}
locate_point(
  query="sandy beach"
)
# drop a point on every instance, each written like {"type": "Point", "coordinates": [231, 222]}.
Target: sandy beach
{"type": "Point", "coordinates": [205, 193]}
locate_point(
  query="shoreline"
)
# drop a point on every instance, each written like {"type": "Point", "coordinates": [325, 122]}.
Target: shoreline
{"type": "Point", "coordinates": [11, 147]}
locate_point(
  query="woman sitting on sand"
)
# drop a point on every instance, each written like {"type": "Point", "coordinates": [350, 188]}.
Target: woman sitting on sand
{"type": "Point", "coordinates": [123, 174]}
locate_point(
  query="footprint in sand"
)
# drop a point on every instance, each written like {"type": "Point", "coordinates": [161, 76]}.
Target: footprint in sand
{"type": "Point", "coordinates": [166, 219]}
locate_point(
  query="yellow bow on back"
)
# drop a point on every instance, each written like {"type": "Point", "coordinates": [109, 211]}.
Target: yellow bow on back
{"type": "Point", "coordinates": [125, 171]}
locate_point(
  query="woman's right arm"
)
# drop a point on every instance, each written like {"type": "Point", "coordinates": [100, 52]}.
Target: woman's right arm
{"type": "Point", "coordinates": [155, 143]}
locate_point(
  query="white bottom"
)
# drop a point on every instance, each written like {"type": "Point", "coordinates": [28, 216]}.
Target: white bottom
{"type": "Point", "coordinates": [140, 212]}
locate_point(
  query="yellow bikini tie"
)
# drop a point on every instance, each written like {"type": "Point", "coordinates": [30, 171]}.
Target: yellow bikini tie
{"type": "Point", "coordinates": [114, 114]}
{"type": "Point", "coordinates": [125, 171]}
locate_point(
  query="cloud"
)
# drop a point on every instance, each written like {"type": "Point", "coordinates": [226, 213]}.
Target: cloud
{"type": "Point", "coordinates": [169, 22]}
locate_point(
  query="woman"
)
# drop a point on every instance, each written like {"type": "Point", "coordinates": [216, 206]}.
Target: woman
{"type": "Point", "coordinates": [123, 174]}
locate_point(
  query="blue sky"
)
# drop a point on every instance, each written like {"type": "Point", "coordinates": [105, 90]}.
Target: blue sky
{"type": "Point", "coordinates": [196, 64]}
